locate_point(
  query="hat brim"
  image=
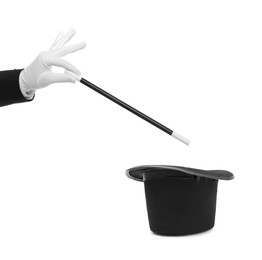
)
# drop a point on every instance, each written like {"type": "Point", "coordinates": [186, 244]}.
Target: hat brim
{"type": "Point", "coordinates": [140, 173]}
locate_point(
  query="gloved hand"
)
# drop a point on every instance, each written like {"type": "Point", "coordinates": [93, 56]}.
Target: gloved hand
{"type": "Point", "coordinates": [39, 73]}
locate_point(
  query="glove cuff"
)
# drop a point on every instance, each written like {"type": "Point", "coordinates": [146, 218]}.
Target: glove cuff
{"type": "Point", "coordinates": [28, 94]}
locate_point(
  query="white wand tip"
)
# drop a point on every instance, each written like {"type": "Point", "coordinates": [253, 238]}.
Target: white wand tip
{"type": "Point", "coordinates": [181, 138]}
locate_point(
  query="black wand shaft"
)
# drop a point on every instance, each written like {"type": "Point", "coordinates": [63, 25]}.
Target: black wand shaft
{"type": "Point", "coordinates": [126, 106]}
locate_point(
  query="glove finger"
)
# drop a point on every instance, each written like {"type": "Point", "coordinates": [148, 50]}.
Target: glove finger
{"type": "Point", "coordinates": [71, 48]}
{"type": "Point", "coordinates": [58, 37]}
{"type": "Point", "coordinates": [48, 78]}
{"type": "Point", "coordinates": [77, 77]}
{"type": "Point", "coordinates": [67, 37]}
{"type": "Point", "coordinates": [55, 61]}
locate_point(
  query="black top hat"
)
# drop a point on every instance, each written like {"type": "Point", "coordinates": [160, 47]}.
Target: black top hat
{"type": "Point", "coordinates": [180, 200]}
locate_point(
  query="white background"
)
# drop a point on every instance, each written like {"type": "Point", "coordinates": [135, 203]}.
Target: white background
{"type": "Point", "coordinates": [194, 66]}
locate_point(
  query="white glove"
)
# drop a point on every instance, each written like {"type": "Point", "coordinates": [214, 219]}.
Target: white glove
{"type": "Point", "coordinates": [39, 73]}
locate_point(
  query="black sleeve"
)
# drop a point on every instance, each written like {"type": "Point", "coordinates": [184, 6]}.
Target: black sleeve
{"type": "Point", "coordinates": [10, 92]}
